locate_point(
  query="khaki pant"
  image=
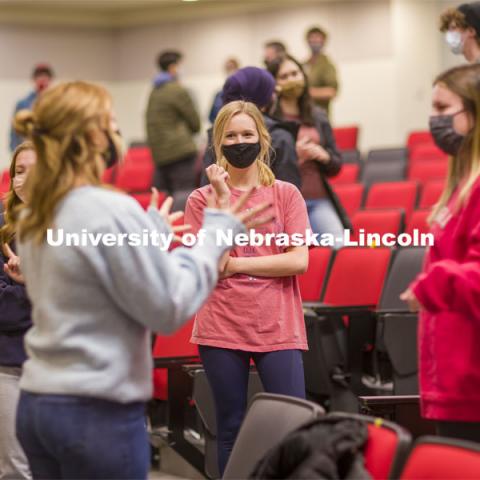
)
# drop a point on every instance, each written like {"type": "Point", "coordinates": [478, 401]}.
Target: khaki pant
{"type": "Point", "coordinates": [13, 463]}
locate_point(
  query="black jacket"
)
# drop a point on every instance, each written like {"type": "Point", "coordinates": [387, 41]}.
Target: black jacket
{"type": "Point", "coordinates": [284, 156]}
{"type": "Point", "coordinates": [15, 317]}
{"type": "Point", "coordinates": [326, 448]}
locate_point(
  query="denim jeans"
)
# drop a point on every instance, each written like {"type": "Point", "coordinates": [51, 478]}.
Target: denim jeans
{"type": "Point", "coordinates": [324, 219]}
{"type": "Point", "coordinates": [82, 438]}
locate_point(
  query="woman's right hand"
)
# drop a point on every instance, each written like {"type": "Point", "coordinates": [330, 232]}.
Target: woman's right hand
{"type": "Point", "coordinates": [250, 217]}
{"type": "Point", "coordinates": [218, 177]}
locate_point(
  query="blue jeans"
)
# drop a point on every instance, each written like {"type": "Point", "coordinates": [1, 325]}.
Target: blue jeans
{"type": "Point", "coordinates": [324, 219]}
{"type": "Point", "coordinates": [227, 372]}
{"type": "Point", "coordinates": [82, 438]}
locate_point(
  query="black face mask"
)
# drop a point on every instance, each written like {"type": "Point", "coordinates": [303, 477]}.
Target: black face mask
{"type": "Point", "coordinates": [444, 135]}
{"type": "Point", "coordinates": [241, 155]}
{"type": "Point", "coordinates": [111, 155]}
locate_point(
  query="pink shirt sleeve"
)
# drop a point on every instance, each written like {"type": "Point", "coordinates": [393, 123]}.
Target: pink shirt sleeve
{"type": "Point", "coordinates": [194, 208]}
{"type": "Point", "coordinates": [296, 216]}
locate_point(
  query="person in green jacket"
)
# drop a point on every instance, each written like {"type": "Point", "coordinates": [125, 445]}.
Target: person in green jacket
{"type": "Point", "coordinates": [322, 74]}
{"type": "Point", "coordinates": [171, 122]}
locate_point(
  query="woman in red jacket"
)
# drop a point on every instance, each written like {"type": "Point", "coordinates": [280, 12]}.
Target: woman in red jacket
{"type": "Point", "coordinates": [447, 292]}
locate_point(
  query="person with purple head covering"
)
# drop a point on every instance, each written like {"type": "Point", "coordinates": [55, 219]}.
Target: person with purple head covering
{"type": "Point", "coordinates": [256, 85]}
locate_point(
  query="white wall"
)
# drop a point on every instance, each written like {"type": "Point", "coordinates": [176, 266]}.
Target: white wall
{"type": "Point", "coordinates": [387, 54]}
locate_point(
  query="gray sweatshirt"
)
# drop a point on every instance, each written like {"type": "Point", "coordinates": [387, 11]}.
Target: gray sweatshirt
{"type": "Point", "coordinates": [94, 306]}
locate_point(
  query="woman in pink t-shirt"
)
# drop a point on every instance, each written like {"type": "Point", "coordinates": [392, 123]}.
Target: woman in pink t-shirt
{"type": "Point", "coordinates": [255, 312]}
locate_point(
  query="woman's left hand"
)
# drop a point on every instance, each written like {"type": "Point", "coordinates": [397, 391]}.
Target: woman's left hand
{"type": "Point", "coordinates": [12, 266]}
{"type": "Point", "coordinates": [409, 297]}
{"type": "Point", "coordinates": [170, 218]}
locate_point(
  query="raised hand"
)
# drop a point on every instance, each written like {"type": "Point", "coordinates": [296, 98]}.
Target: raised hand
{"type": "Point", "coordinates": [12, 266]}
{"type": "Point", "coordinates": [218, 177]}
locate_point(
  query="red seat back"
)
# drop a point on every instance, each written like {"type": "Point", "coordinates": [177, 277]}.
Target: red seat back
{"type": "Point", "coordinates": [427, 152]}
{"type": "Point", "coordinates": [357, 276]}
{"type": "Point", "coordinates": [418, 137]}
{"type": "Point", "coordinates": [135, 178]}
{"type": "Point", "coordinates": [139, 156]}
{"type": "Point", "coordinates": [381, 448]}
{"type": "Point", "coordinates": [346, 138]}
{"type": "Point", "coordinates": [431, 192]}
{"type": "Point", "coordinates": [386, 447]}
{"type": "Point", "coordinates": [348, 174]}
{"type": "Point", "coordinates": [350, 196]}
{"type": "Point", "coordinates": [435, 458]}
{"type": "Point", "coordinates": [176, 345]}
{"type": "Point", "coordinates": [393, 195]}
{"type": "Point", "coordinates": [418, 221]}
{"type": "Point", "coordinates": [5, 181]}
{"type": "Point", "coordinates": [426, 171]}
{"type": "Point", "coordinates": [312, 281]}
{"type": "Point", "coordinates": [377, 221]}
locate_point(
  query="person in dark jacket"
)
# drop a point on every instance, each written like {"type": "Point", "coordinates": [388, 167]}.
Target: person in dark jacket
{"type": "Point", "coordinates": [15, 320]}
{"type": "Point", "coordinates": [318, 155]}
{"type": "Point", "coordinates": [256, 85]}
{"type": "Point", "coordinates": [171, 122]}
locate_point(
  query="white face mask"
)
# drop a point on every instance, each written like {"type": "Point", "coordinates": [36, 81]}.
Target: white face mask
{"type": "Point", "coordinates": [455, 41]}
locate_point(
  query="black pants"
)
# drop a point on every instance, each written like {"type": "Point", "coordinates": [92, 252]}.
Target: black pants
{"type": "Point", "coordinates": [177, 176]}
{"type": "Point", "coordinates": [460, 430]}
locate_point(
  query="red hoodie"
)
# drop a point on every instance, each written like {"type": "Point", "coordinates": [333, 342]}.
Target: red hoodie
{"type": "Point", "coordinates": [449, 327]}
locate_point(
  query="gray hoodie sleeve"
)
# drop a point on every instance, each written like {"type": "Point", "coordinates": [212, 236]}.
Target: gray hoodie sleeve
{"type": "Point", "coordinates": [159, 289]}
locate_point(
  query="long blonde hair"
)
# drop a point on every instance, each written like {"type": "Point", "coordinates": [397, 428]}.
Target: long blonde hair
{"type": "Point", "coordinates": [228, 111]}
{"type": "Point", "coordinates": [59, 127]}
{"type": "Point", "coordinates": [12, 200]}
{"type": "Point", "coordinates": [464, 81]}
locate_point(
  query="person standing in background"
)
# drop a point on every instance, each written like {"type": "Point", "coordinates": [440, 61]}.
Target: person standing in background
{"type": "Point", "coordinates": [171, 122]}
{"type": "Point", "coordinates": [15, 319]}
{"type": "Point", "coordinates": [42, 77]}
{"type": "Point", "coordinates": [447, 291]}
{"type": "Point", "coordinates": [461, 26]}
{"type": "Point", "coordinates": [273, 51]}
{"type": "Point", "coordinates": [231, 66]}
{"type": "Point", "coordinates": [322, 74]}
{"type": "Point", "coordinates": [318, 156]}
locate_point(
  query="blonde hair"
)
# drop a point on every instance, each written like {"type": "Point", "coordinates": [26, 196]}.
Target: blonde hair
{"type": "Point", "coordinates": [228, 111]}
{"type": "Point", "coordinates": [59, 127]}
{"type": "Point", "coordinates": [464, 81]}
{"type": "Point", "coordinates": [12, 200]}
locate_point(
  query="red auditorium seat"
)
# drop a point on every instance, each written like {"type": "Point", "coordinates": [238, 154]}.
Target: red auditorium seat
{"type": "Point", "coordinates": [377, 221]}
{"type": "Point", "coordinates": [419, 137]}
{"type": "Point", "coordinates": [139, 156]}
{"type": "Point", "coordinates": [431, 192]}
{"type": "Point", "coordinates": [427, 152]}
{"type": "Point", "coordinates": [436, 458]}
{"type": "Point", "coordinates": [386, 448]}
{"type": "Point", "coordinates": [4, 181]}
{"type": "Point", "coordinates": [393, 195]}
{"type": "Point", "coordinates": [426, 171]}
{"type": "Point", "coordinates": [357, 276]}
{"type": "Point", "coordinates": [350, 196]}
{"type": "Point", "coordinates": [346, 138]}
{"type": "Point", "coordinates": [418, 221]}
{"type": "Point", "coordinates": [135, 178]}
{"type": "Point", "coordinates": [176, 345]}
{"type": "Point", "coordinates": [313, 280]}
{"type": "Point", "coordinates": [348, 174]}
